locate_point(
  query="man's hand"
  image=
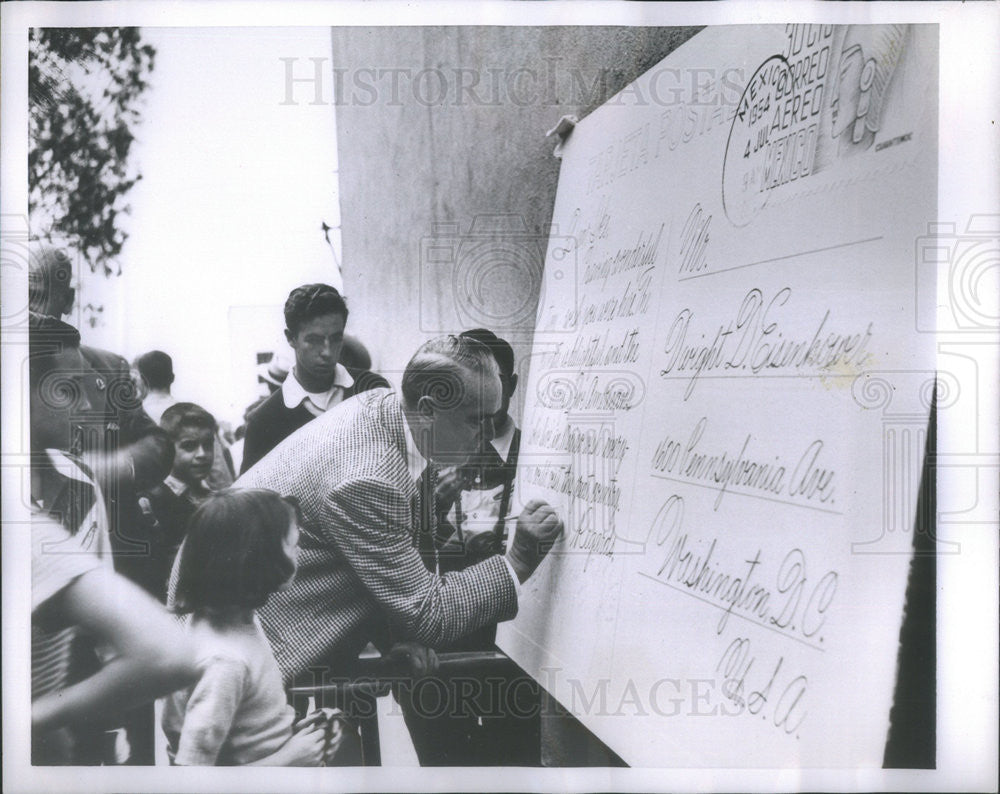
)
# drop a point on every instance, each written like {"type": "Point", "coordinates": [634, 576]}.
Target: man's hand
{"type": "Point", "coordinates": [537, 529]}
{"type": "Point", "coordinates": [416, 659]}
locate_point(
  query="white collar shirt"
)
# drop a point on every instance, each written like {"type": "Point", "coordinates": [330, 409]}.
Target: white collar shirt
{"type": "Point", "coordinates": [180, 488]}
{"type": "Point", "coordinates": [294, 394]}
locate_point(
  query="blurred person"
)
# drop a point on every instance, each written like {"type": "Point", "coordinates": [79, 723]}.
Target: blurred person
{"type": "Point", "coordinates": [272, 375]}
{"type": "Point", "coordinates": [355, 356]}
{"type": "Point", "coordinates": [315, 317]}
{"type": "Point", "coordinates": [99, 644]}
{"type": "Point", "coordinates": [114, 437]}
{"type": "Point", "coordinates": [50, 281]}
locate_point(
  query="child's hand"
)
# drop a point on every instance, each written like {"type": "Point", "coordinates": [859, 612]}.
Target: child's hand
{"type": "Point", "coordinates": [305, 748]}
{"type": "Point", "coordinates": [331, 721]}
{"type": "Point", "coordinates": [334, 739]}
{"type": "Point", "coordinates": [315, 717]}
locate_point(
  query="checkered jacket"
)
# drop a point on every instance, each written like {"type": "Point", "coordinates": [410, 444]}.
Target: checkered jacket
{"type": "Point", "coordinates": [359, 569]}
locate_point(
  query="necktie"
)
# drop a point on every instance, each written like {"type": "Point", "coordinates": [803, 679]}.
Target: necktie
{"type": "Point", "coordinates": [425, 533]}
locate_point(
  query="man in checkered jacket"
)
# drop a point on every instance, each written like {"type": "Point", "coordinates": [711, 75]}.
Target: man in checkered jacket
{"type": "Point", "coordinates": [363, 474]}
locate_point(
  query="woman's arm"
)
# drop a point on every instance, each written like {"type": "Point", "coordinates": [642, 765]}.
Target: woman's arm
{"type": "Point", "coordinates": [153, 656]}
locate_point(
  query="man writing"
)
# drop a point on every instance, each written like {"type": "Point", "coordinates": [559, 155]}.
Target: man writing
{"type": "Point", "coordinates": [496, 720]}
{"type": "Point", "coordinates": [364, 476]}
{"type": "Point", "coordinates": [473, 499]}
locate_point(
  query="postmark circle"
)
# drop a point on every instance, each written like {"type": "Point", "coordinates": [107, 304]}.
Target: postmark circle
{"type": "Point", "coordinates": [743, 191]}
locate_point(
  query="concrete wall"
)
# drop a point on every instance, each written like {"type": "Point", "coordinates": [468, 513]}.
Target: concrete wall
{"type": "Point", "coordinates": [447, 181]}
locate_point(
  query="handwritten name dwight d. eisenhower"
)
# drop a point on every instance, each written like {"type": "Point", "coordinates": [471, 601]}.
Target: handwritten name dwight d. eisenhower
{"type": "Point", "coordinates": [756, 341]}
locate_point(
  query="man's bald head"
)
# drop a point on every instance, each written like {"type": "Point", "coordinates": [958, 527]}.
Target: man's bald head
{"type": "Point", "coordinates": [438, 366]}
{"type": "Point", "coordinates": [451, 390]}
{"type": "Point", "coordinates": [50, 275]}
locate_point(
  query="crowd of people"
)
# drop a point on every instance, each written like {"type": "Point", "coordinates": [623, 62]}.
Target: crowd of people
{"type": "Point", "coordinates": [355, 520]}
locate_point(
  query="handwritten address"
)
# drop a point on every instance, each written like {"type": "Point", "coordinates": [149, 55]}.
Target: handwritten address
{"type": "Point", "coordinates": [807, 478]}
{"type": "Point", "coordinates": [791, 603]}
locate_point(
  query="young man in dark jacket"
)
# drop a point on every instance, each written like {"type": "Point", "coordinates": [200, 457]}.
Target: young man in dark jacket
{"type": "Point", "coordinates": [315, 316]}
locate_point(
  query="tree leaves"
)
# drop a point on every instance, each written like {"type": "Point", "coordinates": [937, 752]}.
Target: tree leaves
{"type": "Point", "coordinates": [85, 87]}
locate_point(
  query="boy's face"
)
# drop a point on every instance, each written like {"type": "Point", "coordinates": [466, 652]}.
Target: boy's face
{"type": "Point", "coordinates": [194, 452]}
{"type": "Point", "coordinates": [317, 349]}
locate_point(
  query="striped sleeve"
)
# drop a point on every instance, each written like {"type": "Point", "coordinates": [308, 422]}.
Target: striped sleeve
{"type": "Point", "coordinates": [57, 560]}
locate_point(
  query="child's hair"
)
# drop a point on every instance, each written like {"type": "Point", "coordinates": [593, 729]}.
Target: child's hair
{"type": "Point", "coordinates": [232, 555]}
{"type": "Point", "coordinates": [181, 415]}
